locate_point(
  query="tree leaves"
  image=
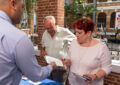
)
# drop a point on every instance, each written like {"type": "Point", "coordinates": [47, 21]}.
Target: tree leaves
{"type": "Point", "coordinates": [77, 9]}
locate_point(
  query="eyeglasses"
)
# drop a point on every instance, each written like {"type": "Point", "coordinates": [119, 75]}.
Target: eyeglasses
{"type": "Point", "coordinates": [77, 32]}
{"type": "Point", "coordinates": [49, 28]}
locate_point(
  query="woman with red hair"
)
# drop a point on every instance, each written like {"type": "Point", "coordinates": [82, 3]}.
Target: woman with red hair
{"type": "Point", "coordinates": [90, 58]}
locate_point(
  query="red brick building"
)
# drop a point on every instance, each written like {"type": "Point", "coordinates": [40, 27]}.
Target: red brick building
{"type": "Point", "coordinates": [106, 12]}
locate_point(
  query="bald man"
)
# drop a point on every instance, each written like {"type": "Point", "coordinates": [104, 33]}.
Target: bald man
{"type": "Point", "coordinates": [17, 56]}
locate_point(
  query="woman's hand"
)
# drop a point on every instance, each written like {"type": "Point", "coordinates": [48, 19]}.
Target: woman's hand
{"type": "Point", "coordinates": [92, 76]}
{"type": "Point", "coordinates": [101, 73]}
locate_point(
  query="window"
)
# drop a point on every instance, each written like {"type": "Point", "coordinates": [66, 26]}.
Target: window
{"type": "Point", "coordinates": [101, 20]}
{"type": "Point", "coordinates": [112, 20]}
{"type": "Point", "coordinates": [115, 0]}
{"type": "Point", "coordinates": [102, 0]}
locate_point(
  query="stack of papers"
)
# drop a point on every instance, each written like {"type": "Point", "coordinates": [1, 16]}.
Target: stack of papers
{"type": "Point", "coordinates": [50, 59]}
{"type": "Point", "coordinates": [34, 83]}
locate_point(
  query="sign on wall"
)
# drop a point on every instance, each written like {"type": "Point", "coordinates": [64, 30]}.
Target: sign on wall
{"type": "Point", "coordinates": [117, 23]}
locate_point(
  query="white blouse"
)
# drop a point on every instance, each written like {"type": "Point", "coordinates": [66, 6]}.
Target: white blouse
{"type": "Point", "coordinates": [88, 60]}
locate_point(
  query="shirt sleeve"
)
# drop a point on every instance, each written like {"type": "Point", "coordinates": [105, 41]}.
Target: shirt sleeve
{"type": "Point", "coordinates": [69, 37]}
{"type": "Point", "coordinates": [43, 43]}
{"type": "Point", "coordinates": [27, 63]}
{"type": "Point", "coordinates": [69, 52]}
{"type": "Point", "coordinates": [105, 59]}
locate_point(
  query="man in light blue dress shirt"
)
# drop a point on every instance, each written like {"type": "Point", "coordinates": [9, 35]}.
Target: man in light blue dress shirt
{"type": "Point", "coordinates": [17, 56]}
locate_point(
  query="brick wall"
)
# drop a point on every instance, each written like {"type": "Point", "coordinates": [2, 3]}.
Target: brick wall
{"type": "Point", "coordinates": [108, 4]}
{"type": "Point", "coordinates": [49, 7]}
{"type": "Point", "coordinates": [112, 79]}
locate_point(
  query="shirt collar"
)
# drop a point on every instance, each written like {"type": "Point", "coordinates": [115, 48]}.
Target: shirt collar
{"type": "Point", "coordinates": [4, 16]}
{"type": "Point", "coordinates": [58, 28]}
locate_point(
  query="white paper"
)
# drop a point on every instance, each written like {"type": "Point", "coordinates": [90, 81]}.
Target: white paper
{"type": "Point", "coordinates": [34, 83]}
{"type": "Point", "coordinates": [50, 59]}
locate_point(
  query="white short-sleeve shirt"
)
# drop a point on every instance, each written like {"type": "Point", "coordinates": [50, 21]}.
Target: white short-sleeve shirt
{"type": "Point", "coordinates": [58, 45]}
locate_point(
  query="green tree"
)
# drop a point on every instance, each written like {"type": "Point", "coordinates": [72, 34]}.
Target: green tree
{"type": "Point", "coordinates": [77, 9]}
{"type": "Point", "coordinates": [29, 5]}
{"type": "Point", "coordinates": [30, 8]}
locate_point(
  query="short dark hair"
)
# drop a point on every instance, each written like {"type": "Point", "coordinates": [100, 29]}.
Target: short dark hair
{"type": "Point", "coordinates": [85, 24]}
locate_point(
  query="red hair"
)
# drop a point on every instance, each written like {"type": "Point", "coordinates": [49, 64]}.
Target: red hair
{"type": "Point", "coordinates": [85, 24]}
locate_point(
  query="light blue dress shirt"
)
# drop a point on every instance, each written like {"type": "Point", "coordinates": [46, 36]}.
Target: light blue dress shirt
{"type": "Point", "coordinates": [17, 56]}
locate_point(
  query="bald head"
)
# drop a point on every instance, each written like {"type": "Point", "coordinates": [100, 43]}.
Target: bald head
{"type": "Point", "coordinates": [5, 2]}
{"type": "Point", "coordinates": [13, 8]}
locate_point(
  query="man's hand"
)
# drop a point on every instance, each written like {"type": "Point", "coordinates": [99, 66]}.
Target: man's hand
{"type": "Point", "coordinates": [66, 62]}
{"type": "Point", "coordinates": [53, 65]}
{"type": "Point", "coordinates": [43, 53]}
